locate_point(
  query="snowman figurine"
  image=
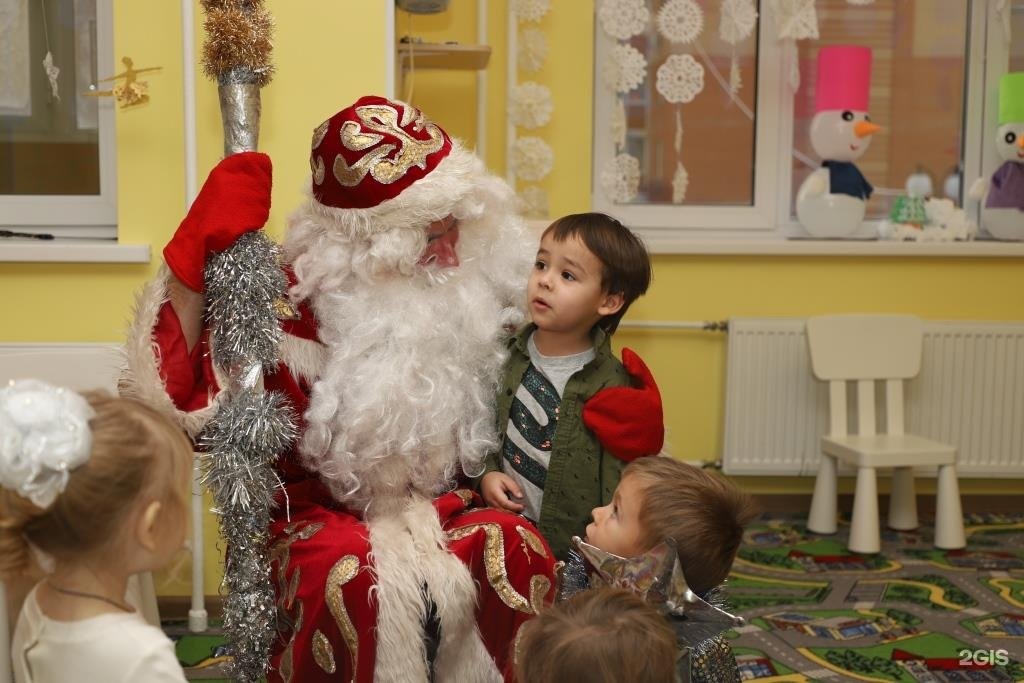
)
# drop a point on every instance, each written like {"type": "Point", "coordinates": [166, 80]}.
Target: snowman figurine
{"type": "Point", "coordinates": [833, 199]}
{"type": "Point", "coordinates": [1002, 211]}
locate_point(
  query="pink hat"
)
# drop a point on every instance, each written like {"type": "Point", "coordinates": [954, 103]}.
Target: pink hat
{"type": "Point", "coordinates": [844, 78]}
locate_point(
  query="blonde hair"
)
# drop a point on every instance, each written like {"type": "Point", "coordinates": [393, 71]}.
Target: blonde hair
{"type": "Point", "coordinates": [137, 454]}
{"type": "Point", "coordinates": [704, 514]}
{"type": "Point", "coordinates": [602, 635]}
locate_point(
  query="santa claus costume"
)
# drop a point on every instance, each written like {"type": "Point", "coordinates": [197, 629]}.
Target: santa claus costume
{"type": "Point", "coordinates": [407, 266]}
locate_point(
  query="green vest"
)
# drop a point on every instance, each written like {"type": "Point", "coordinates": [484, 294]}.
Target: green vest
{"type": "Point", "coordinates": [581, 475]}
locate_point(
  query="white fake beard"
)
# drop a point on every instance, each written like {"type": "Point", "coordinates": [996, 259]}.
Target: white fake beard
{"type": "Point", "coordinates": [414, 356]}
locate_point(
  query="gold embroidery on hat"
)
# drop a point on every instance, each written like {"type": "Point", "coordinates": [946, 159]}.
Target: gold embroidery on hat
{"type": "Point", "coordinates": [494, 563]}
{"type": "Point", "coordinates": [320, 132]}
{"type": "Point", "coordinates": [343, 571]}
{"type": "Point", "coordinates": [319, 170]}
{"type": "Point", "coordinates": [322, 653]}
{"type": "Point", "coordinates": [384, 119]}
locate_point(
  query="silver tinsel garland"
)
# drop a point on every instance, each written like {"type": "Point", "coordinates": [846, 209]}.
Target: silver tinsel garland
{"type": "Point", "coordinates": [243, 440]}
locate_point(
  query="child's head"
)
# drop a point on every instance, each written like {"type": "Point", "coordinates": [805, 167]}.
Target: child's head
{"type": "Point", "coordinates": [130, 487]}
{"type": "Point", "coordinates": [603, 635]}
{"type": "Point", "coordinates": [589, 269]}
{"type": "Point", "coordinates": [661, 497]}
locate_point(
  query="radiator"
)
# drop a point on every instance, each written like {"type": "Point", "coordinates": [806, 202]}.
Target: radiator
{"type": "Point", "coordinates": [970, 393]}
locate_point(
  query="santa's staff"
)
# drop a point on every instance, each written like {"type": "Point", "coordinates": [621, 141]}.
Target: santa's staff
{"type": "Point", "coordinates": [243, 286]}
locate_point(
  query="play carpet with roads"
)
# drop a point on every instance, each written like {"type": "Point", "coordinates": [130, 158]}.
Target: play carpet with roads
{"type": "Point", "coordinates": [816, 612]}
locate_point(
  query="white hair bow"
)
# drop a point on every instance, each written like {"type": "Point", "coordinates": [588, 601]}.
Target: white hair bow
{"type": "Point", "coordinates": [44, 434]}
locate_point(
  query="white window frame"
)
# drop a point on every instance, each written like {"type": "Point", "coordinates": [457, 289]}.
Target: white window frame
{"type": "Point", "coordinates": [669, 228]}
{"type": "Point", "coordinates": [78, 215]}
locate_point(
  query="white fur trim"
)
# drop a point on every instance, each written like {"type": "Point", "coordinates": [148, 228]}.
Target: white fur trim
{"type": "Point", "coordinates": [304, 357]}
{"type": "Point", "coordinates": [409, 552]}
{"type": "Point", "coordinates": [140, 377]}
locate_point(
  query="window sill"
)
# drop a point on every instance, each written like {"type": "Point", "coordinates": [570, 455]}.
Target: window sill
{"type": "Point", "coordinates": [72, 251]}
{"type": "Point", "coordinates": [811, 247]}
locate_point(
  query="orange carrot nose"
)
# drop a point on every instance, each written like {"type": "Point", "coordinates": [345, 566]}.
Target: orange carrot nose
{"type": "Point", "coordinates": [1020, 141]}
{"type": "Point", "coordinates": [862, 129]}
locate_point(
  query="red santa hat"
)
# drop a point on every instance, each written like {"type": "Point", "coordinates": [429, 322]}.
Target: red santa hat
{"type": "Point", "coordinates": [844, 78]}
{"type": "Point", "coordinates": [372, 151]}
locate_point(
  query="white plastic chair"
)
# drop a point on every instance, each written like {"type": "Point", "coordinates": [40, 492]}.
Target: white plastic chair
{"type": "Point", "coordinates": [863, 349]}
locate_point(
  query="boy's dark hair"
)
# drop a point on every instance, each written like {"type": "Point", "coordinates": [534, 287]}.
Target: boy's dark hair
{"type": "Point", "coordinates": [704, 513]}
{"type": "Point", "coordinates": [625, 265]}
{"type": "Point", "coordinates": [602, 635]}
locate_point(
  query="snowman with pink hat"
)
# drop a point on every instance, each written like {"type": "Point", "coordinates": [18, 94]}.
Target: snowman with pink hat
{"type": "Point", "coordinates": [1002, 197]}
{"type": "Point", "coordinates": [833, 199]}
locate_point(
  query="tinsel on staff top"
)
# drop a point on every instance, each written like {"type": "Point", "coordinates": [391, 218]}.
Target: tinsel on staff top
{"type": "Point", "coordinates": [238, 42]}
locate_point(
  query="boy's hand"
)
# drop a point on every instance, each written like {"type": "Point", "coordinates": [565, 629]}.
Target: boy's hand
{"type": "Point", "coordinates": [628, 421]}
{"type": "Point", "coordinates": [234, 200]}
{"type": "Point", "coordinates": [498, 490]}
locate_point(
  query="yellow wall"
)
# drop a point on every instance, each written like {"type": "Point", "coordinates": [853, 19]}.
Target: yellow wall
{"type": "Point", "coordinates": [327, 54]}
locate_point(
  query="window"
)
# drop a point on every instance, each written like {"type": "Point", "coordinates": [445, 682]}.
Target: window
{"type": "Point", "coordinates": [935, 71]}
{"type": "Point", "coordinates": [56, 140]}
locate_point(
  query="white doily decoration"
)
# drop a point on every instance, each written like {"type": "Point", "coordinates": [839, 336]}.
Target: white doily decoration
{"type": "Point", "coordinates": [531, 10]}
{"type": "Point", "coordinates": [531, 105]}
{"type": "Point", "coordinates": [532, 158]}
{"type": "Point", "coordinates": [680, 79]}
{"type": "Point", "coordinates": [533, 49]}
{"type": "Point", "coordinates": [680, 21]}
{"type": "Point", "coordinates": [619, 125]}
{"type": "Point", "coordinates": [535, 201]}
{"type": "Point", "coordinates": [738, 18]}
{"type": "Point", "coordinates": [624, 68]}
{"type": "Point", "coordinates": [620, 178]}
{"type": "Point", "coordinates": [795, 19]}
{"type": "Point", "coordinates": [680, 181]}
{"type": "Point", "coordinates": [623, 19]}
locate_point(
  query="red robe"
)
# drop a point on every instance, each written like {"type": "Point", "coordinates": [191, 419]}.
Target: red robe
{"type": "Point", "coordinates": [322, 561]}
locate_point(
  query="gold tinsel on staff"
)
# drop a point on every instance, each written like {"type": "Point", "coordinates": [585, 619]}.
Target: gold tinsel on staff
{"type": "Point", "coordinates": [238, 42]}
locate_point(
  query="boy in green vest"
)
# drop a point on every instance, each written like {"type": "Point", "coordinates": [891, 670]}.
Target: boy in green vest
{"type": "Point", "coordinates": [570, 415]}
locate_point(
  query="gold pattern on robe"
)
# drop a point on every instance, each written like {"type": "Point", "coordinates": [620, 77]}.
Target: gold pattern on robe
{"type": "Point", "coordinates": [531, 540]}
{"type": "Point", "coordinates": [320, 132]}
{"type": "Point", "coordinates": [286, 666]}
{"type": "Point", "coordinates": [494, 563]}
{"type": "Point", "coordinates": [343, 571]}
{"type": "Point", "coordinates": [280, 552]}
{"type": "Point", "coordinates": [316, 164]}
{"type": "Point", "coordinates": [539, 587]}
{"type": "Point", "coordinates": [466, 495]}
{"type": "Point", "coordinates": [322, 653]}
{"type": "Point", "coordinates": [381, 118]}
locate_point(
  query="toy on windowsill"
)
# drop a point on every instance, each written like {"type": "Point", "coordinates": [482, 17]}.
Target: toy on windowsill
{"type": "Point", "coordinates": [916, 219]}
{"type": "Point", "coordinates": [1002, 209]}
{"type": "Point", "coordinates": [832, 200]}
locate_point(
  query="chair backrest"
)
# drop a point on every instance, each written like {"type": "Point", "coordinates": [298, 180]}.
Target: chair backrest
{"type": "Point", "coordinates": [75, 366]}
{"type": "Point", "coordinates": [865, 348]}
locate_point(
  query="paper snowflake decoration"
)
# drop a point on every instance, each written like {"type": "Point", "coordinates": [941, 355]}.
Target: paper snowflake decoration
{"type": "Point", "coordinates": [795, 19]}
{"type": "Point", "coordinates": [680, 21]}
{"type": "Point", "coordinates": [532, 158]}
{"type": "Point", "coordinates": [531, 105]}
{"type": "Point", "coordinates": [531, 10]}
{"type": "Point", "coordinates": [533, 49]}
{"type": "Point", "coordinates": [620, 178]}
{"type": "Point", "coordinates": [624, 68]}
{"type": "Point", "coordinates": [680, 181]}
{"type": "Point", "coordinates": [623, 19]}
{"type": "Point", "coordinates": [535, 201]}
{"type": "Point", "coordinates": [619, 126]}
{"type": "Point", "coordinates": [680, 79]}
{"type": "Point", "coordinates": [738, 18]}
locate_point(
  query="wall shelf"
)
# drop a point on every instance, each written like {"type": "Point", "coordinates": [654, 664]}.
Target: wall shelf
{"type": "Point", "coordinates": [444, 56]}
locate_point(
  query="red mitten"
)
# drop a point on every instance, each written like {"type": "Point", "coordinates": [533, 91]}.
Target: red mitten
{"type": "Point", "coordinates": [234, 200]}
{"type": "Point", "coordinates": [628, 421]}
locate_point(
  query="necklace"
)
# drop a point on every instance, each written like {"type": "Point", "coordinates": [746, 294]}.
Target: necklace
{"type": "Point", "coordinates": [82, 594]}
